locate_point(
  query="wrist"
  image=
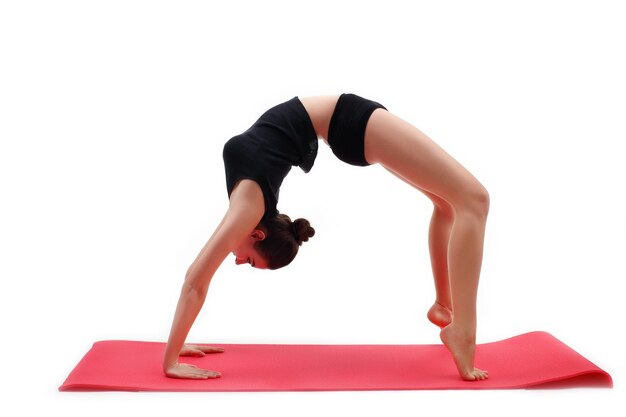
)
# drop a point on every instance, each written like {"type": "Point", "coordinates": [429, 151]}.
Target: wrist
{"type": "Point", "coordinates": [169, 364]}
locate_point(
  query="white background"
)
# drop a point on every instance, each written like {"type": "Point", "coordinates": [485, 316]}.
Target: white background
{"type": "Point", "coordinates": [113, 115]}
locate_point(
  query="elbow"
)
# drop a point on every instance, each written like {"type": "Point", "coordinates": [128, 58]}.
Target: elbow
{"type": "Point", "coordinates": [197, 284]}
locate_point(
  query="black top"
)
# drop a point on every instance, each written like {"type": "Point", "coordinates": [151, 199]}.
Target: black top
{"type": "Point", "coordinates": [281, 138]}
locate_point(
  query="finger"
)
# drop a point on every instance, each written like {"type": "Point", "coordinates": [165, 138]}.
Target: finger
{"type": "Point", "coordinates": [202, 374]}
{"type": "Point", "coordinates": [198, 376]}
{"type": "Point", "coordinates": [196, 369]}
{"type": "Point", "coordinates": [206, 374]}
{"type": "Point", "coordinates": [198, 353]}
{"type": "Point", "coordinates": [208, 349]}
{"type": "Point", "coordinates": [211, 349]}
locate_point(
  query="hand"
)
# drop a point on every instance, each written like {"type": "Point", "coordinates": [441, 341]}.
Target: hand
{"type": "Point", "coordinates": [199, 351]}
{"type": "Point", "coordinates": [188, 371]}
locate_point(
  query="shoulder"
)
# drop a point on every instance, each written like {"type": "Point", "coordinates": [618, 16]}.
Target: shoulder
{"type": "Point", "coordinates": [247, 197]}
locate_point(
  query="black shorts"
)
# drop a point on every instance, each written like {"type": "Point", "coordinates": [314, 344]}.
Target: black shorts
{"type": "Point", "coordinates": [346, 130]}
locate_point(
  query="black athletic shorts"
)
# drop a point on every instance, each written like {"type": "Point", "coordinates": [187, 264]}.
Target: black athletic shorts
{"type": "Point", "coordinates": [346, 130]}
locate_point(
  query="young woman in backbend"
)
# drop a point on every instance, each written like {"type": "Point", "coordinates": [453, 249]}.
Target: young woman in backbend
{"type": "Point", "coordinates": [360, 132]}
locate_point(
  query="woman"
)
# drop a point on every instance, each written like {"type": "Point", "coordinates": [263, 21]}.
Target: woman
{"type": "Point", "coordinates": [360, 132]}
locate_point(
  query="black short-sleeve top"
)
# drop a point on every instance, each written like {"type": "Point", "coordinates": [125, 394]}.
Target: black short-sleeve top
{"type": "Point", "coordinates": [281, 138]}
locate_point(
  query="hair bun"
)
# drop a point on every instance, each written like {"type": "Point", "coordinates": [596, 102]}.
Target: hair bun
{"type": "Point", "coordinates": [302, 230]}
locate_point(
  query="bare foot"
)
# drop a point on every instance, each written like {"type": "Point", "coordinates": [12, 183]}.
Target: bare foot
{"type": "Point", "coordinates": [462, 347]}
{"type": "Point", "coordinates": [440, 315]}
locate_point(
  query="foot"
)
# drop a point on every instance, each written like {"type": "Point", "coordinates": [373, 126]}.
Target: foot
{"type": "Point", "coordinates": [440, 315]}
{"type": "Point", "coordinates": [462, 346]}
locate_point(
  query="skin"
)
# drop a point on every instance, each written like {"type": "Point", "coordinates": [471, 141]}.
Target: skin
{"type": "Point", "coordinates": [457, 230]}
{"type": "Point", "coordinates": [456, 236]}
{"type": "Point", "coordinates": [245, 210]}
{"type": "Point", "coordinates": [247, 254]}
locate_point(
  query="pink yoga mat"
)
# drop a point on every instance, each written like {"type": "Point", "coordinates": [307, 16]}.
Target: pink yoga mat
{"type": "Point", "coordinates": [534, 359]}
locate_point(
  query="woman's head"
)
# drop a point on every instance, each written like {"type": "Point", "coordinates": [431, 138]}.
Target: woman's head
{"type": "Point", "coordinates": [282, 239]}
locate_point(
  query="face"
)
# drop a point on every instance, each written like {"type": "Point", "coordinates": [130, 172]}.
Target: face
{"type": "Point", "coordinates": [247, 254]}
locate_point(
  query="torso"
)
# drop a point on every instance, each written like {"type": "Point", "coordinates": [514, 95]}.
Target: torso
{"type": "Point", "coordinates": [320, 110]}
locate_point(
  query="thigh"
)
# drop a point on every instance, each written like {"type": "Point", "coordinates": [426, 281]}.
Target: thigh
{"type": "Point", "coordinates": [410, 154]}
{"type": "Point", "coordinates": [444, 206]}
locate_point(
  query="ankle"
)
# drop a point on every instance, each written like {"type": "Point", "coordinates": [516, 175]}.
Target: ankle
{"type": "Point", "coordinates": [444, 304]}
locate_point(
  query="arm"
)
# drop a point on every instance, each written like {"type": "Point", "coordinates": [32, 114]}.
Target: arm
{"type": "Point", "coordinates": [244, 213]}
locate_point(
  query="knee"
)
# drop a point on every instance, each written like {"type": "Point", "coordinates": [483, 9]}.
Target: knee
{"type": "Point", "coordinates": [476, 201]}
{"type": "Point", "coordinates": [442, 208]}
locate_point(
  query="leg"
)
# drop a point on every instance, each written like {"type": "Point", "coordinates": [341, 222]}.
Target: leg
{"type": "Point", "coordinates": [405, 150]}
{"type": "Point", "coordinates": [439, 231]}
{"type": "Point", "coordinates": [441, 222]}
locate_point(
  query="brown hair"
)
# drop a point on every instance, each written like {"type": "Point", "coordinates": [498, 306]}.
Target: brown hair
{"type": "Point", "coordinates": [282, 239]}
